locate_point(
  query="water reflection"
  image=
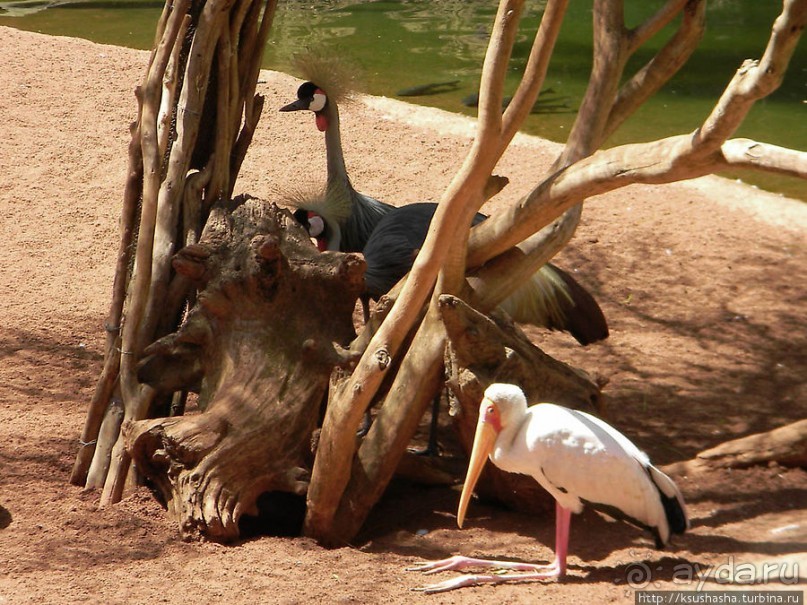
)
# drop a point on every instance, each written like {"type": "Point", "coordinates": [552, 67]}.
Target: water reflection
{"type": "Point", "coordinates": [24, 8]}
{"type": "Point", "coordinates": [405, 44]}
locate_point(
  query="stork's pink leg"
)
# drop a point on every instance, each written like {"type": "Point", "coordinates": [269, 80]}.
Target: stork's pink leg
{"type": "Point", "coordinates": [563, 522]}
{"type": "Point", "coordinates": [556, 569]}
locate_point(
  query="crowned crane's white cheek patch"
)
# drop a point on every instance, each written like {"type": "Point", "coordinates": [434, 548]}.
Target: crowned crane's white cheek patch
{"type": "Point", "coordinates": [318, 102]}
{"type": "Point", "coordinates": [315, 226]}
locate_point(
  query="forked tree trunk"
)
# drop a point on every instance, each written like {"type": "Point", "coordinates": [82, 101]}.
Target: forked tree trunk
{"type": "Point", "coordinates": [263, 339]}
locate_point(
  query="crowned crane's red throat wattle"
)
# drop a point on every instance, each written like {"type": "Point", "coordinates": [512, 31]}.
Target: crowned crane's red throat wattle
{"type": "Point", "coordinates": [319, 101]}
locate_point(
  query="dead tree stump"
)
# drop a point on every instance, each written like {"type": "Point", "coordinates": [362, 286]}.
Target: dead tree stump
{"type": "Point", "coordinates": [482, 350]}
{"type": "Point", "coordinates": [260, 344]}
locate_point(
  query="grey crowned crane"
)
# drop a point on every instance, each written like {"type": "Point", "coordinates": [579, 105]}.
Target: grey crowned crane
{"type": "Point", "coordinates": [390, 237]}
{"type": "Point", "coordinates": [349, 217]}
{"type": "Point", "coordinates": [580, 460]}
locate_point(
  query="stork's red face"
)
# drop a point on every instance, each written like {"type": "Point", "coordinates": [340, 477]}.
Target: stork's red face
{"type": "Point", "coordinates": [489, 414]}
{"type": "Point", "coordinates": [313, 98]}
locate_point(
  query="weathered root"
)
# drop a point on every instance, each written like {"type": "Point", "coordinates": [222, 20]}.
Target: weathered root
{"type": "Point", "coordinates": [272, 318]}
{"type": "Point", "coordinates": [786, 445]}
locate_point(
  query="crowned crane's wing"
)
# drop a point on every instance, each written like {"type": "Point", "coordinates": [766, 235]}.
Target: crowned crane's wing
{"type": "Point", "coordinates": [554, 299]}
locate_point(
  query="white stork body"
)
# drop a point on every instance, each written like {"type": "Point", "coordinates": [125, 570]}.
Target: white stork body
{"type": "Point", "coordinates": [577, 458]}
{"type": "Point", "coordinates": [580, 459]}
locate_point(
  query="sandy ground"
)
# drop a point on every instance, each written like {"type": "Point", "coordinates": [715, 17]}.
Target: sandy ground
{"type": "Point", "coordinates": [703, 284]}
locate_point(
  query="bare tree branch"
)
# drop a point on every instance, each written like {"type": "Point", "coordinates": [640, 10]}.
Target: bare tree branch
{"type": "Point", "coordinates": [755, 79]}
{"type": "Point", "coordinates": [535, 71]}
{"type": "Point", "coordinates": [610, 43]}
{"type": "Point", "coordinates": [494, 69]}
{"type": "Point", "coordinates": [250, 59]}
{"type": "Point", "coordinates": [502, 275]}
{"type": "Point", "coordinates": [452, 277]}
{"type": "Point", "coordinates": [489, 133]}
{"type": "Point", "coordinates": [587, 134]}
{"type": "Point", "coordinates": [745, 153]}
{"type": "Point", "coordinates": [658, 71]}
{"type": "Point", "coordinates": [655, 23]}
{"type": "Point", "coordinates": [662, 161]}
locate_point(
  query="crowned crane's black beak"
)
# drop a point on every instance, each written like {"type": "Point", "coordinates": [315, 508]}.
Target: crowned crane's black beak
{"type": "Point", "coordinates": [298, 105]}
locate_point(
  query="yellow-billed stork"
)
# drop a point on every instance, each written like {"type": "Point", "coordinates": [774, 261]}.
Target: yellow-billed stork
{"type": "Point", "coordinates": [577, 458]}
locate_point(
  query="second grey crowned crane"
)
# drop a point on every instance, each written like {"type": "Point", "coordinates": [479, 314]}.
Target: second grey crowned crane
{"type": "Point", "coordinates": [349, 216]}
{"type": "Point", "coordinates": [390, 237]}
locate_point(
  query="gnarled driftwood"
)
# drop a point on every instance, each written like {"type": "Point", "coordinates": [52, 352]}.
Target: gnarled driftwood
{"type": "Point", "coordinates": [262, 340]}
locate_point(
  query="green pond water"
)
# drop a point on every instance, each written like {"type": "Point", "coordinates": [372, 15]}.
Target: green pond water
{"type": "Point", "coordinates": [405, 44]}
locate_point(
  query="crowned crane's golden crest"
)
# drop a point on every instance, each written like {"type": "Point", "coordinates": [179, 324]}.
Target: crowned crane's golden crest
{"type": "Point", "coordinates": [307, 197]}
{"type": "Point", "coordinates": [313, 199]}
{"type": "Point", "coordinates": [338, 77]}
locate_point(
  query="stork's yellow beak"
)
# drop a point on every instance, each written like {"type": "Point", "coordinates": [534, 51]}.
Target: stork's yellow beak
{"type": "Point", "coordinates": [484, 440]}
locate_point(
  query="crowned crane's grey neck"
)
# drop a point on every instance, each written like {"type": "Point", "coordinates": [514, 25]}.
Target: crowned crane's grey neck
{"type": "Point", "coordinates": [351, 215]}
{"type": "Point", "coordinates": [339, 186]}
